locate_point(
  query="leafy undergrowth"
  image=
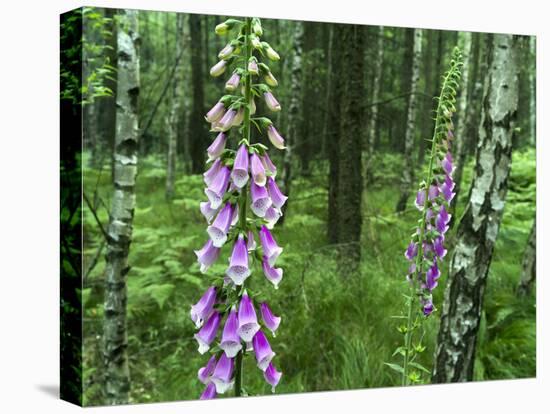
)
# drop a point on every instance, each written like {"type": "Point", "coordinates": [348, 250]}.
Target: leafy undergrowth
{"type": "Point", "coordinates": [337, 329]}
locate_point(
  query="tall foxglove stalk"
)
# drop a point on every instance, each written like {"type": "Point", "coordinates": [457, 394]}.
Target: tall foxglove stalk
{"type": "Point", "coordinates": [426, 249]}
{"type": "Point", "coordinates": [240, 180]}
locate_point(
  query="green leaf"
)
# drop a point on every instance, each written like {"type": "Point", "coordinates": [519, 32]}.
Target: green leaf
{"type": "Point", "coordinates": [395, 367]}
{"type": "Point", "coordinates": [161, 293]}
{"type": "Point", "coordinates": [399, 350]}
{"type": "Point", "coordinates": [420, 367]}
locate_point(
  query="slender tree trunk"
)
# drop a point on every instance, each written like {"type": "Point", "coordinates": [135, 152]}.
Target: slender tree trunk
{"type": "Point", "coordinates": [479, 226]}
{"type": "Point", "coordinates": [197, 133]}
{"type": "Point", "coordinates": [117, 376]}
{"type": "Point", "coordinates": [408, 171]}
{"type": "Point", "coordinates": [187, 101]}
{"type": "Point", "coordinates": [333, 131]}
{"type": "Point", "coordinates": [293, 110]}
{"type": "Point", "coordinates": [173, 118]}
{"type": "Point", "coordinates": [529, 268]}
{"type": "Point", "coordinates": [460, 134]}
{"type": "Point", "coordinates": [405, 86]}
{"type": "Point", "coordinates": [475, 107]}
{"type": "Point", "coordinates": [373, 121]}
{"type": "Point", "coordinates": [426, 123]}
{"type": "Point", "coordinates": [309, 94]}
{"type": "Point", "coordinates": [326, 120]}
{"type": "Point", "coordinates": [533, 92]}
{"type": "Point", "coordinates": [350, 181]}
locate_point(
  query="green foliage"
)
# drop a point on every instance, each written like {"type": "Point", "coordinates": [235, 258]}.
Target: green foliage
{"type": "Point", "coordinates": [334, 333]}
{"type": "Point", "coordinates": [85, 65]}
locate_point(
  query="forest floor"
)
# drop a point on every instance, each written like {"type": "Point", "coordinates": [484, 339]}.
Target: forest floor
{"type": "Point", "coordinates": [337, 329]}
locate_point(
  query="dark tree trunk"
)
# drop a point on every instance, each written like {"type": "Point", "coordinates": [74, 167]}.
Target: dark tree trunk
{"type": "Point", "coordinates": [309, 96]}
{"type": "Point", "coordinates": [293, 110]}
{"type": "Point", "coordinates": [479, 226]}
{"type": "Point", "coordinates": [350, 182]}
{"type": "Point", "coordinates": [529, 268]}
{"type": "Point", "coordinates": [333, 130]}
{"type": "Point", "coordinates": [197, 135]}
{"type": "Point", "coordinates": [117, 375]}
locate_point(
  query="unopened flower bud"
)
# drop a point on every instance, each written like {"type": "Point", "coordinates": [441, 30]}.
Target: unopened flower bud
{"type": "Point", "coordinates": [270, 79]}
{"type": "Point", "coordinates": [226, 52]}
{"type": "Point", "coordinates": [271, 102]}
{"type": "Point", "coordinates": [271, 54]}
{"type": "Point", "coordinates": [253, 67]}
{"type": "Point", "coordinates": [256, 44]}
{"type": "Point", "coordinates": [218, 68]}
{"type": "Point", "coordinates": [257, 28]}
{"type": "Point", "coordinates": [232, 83]}
{"type": "Point", "coordinates": [222, 28]}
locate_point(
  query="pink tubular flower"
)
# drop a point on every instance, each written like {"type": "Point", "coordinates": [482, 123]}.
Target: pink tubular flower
{"type": "Point", "coordinates": [238, 269]}
{"type": "Point", "coordinates": [208, 332]}
{"type": "Point", "coordinates": [270, 168]}
{"type": "Point", "coordinates": [239, 174]}
{"type": "Point", "coordinates": [271, 321]}
{"type": "Point", "coordinates": [231, 342]}
{"type": "Point", "coordinates": [262, 349]}
{"type": "Point", "coordinates": [248, 321]}
{"type": "Point", "coordinates": [207, 255]}
{"type": "Point", "coordinates": [216, 148]}
{"type": "Point", "coordinates": [216, 112]}
{"type": "Point", "coordinates": [257, 169]}
{"type": "Point", "coordinates": [276, 139]}
{"type": "Point", "coordinates": [271, 102]}
{"type": "Point", "coordinates": [269, 245]}
{"type": "Point", "coordinates": [260, 200]}
{"type": "Point", "coordinates": [218, 230]}
{"type": "Point", "coordinates": [204, 307]}
{"type": "Point", "coordinates": [272, 376]}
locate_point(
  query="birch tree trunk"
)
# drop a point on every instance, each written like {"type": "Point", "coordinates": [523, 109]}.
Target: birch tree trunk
{"type": "Point", "coordinates": [529, 268]}
{"type": "Point", "coordinates": [373, 121]}
{"type": "Point", "coordinates": [350, 182]}
{"type": "Point", "coordinates": [173, 118]}
{"type": "Point", "coordinates": [478, 69]}
{"type": "Point", "coordinates": [293, 110]}
{"type": "Point", "coordinates": [408, 171]}
{"type": "Point", "coordinates": [460, 133]}
{"type": "Point", "coordinates": [117, 376]}
{"type": "Point", "coordinates": [479, 226]}
{"type": "Point", "coordinates": [198, 137]}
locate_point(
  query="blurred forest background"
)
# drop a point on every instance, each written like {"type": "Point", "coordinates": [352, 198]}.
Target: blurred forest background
{"type": "Point", "coordinates": [337, 329]}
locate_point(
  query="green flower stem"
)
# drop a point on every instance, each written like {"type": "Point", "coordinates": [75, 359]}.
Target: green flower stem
{"type": "Point", "coordinates": [420, 254]}
{"type": "Point", "coordinates": [244, 193]}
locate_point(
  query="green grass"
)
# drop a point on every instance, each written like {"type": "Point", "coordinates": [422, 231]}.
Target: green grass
{"type": "Point", "coordinates": [337, 329]}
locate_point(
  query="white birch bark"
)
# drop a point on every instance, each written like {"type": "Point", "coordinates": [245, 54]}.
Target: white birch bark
{"type": "Point", "coordinates": [479, 226]}
{"type": "Point", "coordinates": [373, 121]}
{"type": "Point", "coordinates": [408, 171]}
{"type": "Point", "coordinates": [529, 264]}
{"type": "Point", "coordinates": [174, 116]}
{"type": "Point", "coordinates": [117, 376]}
